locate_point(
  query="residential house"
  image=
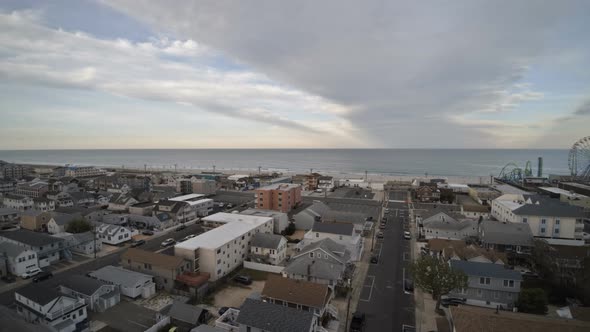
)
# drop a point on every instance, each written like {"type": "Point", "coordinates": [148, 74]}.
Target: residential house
{"type": "Point", "coordinates": [142, 209]}
{"type": "Point", "coordinates": [448, 226]}
{"type": "Point", "coordinates": [62, 199]}
{"type": "Point", "coordinates": [489, 285]}
{"type": "Point", "coordinates": [9, 218]}
{"type": "Point", "coordinates": [342, 233]}
{"type": "Point", "coordinates": [299, 294]}
{"type": "Point", "coordinates": [259, 316]}
{"type": "Point", "coordinates": [98, 295]}
{"type": "Point", "coordinates": [268, 248]}
{"type": "Point", "coordinates": [17, 202]}
{"type": "Point", "coordinates": [221, 250]}
{"type": "Point", "coordinates": [280, 219]}
{"type": "Point", "coordinates": [132, 284]}
{"type": "Point", "coordinates": [113, 234]}
{"type": "Point", "coordinates": [459, 250]}
{"type": "Point", "coordinates": [121, 202]}
{"type": "Point", "coordinates": [427, 194]}
{"type": "Point", "coordinates": [34, 220]}
{"type": "Point", "coordinates": [164, 268]}
{"type": "Point", "coordinates": [82, 198]}
{"type": "Point", "coordinates": [201, 206]}
{"type": "Point", "coordinates": [161, 221]}
{"type": "Point", "coordinates": [469, 319]}
{"type": "Point", "coordinates": [345, 212]}
{"type": "Point", "coordinates": [86, 243]}
{"type": "Point", "coordinates": [59, 222]}
{"type": "Point", "coordinates": [505, 236]}
{"type": "Point", "coordinates": [550, 219]}
{"type": "Point", "coordinates": [49, 249]}
{"type": "Point", "coordinates": [39, 304]}
{"type": "Point", "coordinates": [177, 211]}
{"type": "Point", "coordinates": [43, 204]}
{"type": "Point", "coordinates": [281, 197]}
{"type": "Point", "coordinates": [115, 219]}
{"type": "Point", "coordinates": [323, 262]}
{"type": "Point", "coordinates": [18, 259]}
{"type": "Point", "coordinates": [185, 316]}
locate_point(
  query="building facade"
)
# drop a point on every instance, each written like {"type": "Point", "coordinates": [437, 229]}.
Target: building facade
{"type": "Point", "coordinates": [281, 197]}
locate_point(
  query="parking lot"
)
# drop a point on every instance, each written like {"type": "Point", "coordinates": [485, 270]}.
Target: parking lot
{"type": "Point", "coordinates": [126, 316]}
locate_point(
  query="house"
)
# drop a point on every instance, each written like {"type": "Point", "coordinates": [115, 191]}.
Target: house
{"type": "Point", "coordinates": [121, 202]}
{"type": "Point", "coordinates": [222, 249]}
{"type": "Point", "coordinates": [113, 234]}
{"type": "Point", "coordinates": [448, 226]}
{"type": "Point", "coordinates": [200, 206]}
{"type": "Point", "coordinates": [11, 321]}
{"type": "Point", "coordinates": [554, 221]}
{"type": "Point", "coordinates": [17, 202]}
{"type": "Point", "coordinates": [299, 294]}
{"type": "Point", "coordinates": [43, 204]}
{"type": "Point", "coordinates": [505, 236]}
{"type": "Point", "coordinates": [86, 243]}
{"type": "Point", "coordinates": [489, 285]}
{"type": "Point", "coordinates": [268, 248]}
{"type": "Point", "coordinates": [18, 259]}
{"type": "Point", "coordinates": [164, 268]}
{"type": "Point", "coordinates": [281, 197]}
{"type": "Point", "coordinates": [323, 262]}
{"type": "Point", "coordinates": [259, 316]}
{"type": "Point", "coordinates": [9, 218]}
{"type": "Point", "coordinates": [39, 304]}
{"type": "Point", "coordinates": [161, 221]}
{"type": "Point", "coordinates": [342, 233]}
{"type": "Point", "coordinates": [185, 316]}
{"type": "Point", "coordinates": [49, 249]}
{"type": "Point", "coordinates": [34, 220]}
{"type": "Point", "coordinates": [80, 198]}
{"type": "Point", "coordinates": [459, 250]}
{"type": "Point", "coordinates": [98, 295]}
{"type": "Point", "coordinates": [177, 211]}
{"type": "Point", "coordinates": [427, 194]}
{"type": "Point", "coordinates": [115, 219]}
{"type": "Point", "coordinates": [142, 209]}
{"type": "Point", "coordinates": [281, 220]}
{"type": "Point", "coordinates": [132, 284]}
{"type": "Point", "coordinates": [468, 319]}
{"type": "Point", "coordinates": [59, 222]}
{"type": "Point", "coordinates": [337, 212]}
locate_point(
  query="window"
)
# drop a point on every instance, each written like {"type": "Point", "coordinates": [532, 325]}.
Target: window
{"type": "Point", "coordinates": [484, 281]}
{"type": "Point", "coordinates": [556, 231]}
{"type": "Point", "coordinates": [543, 221]}
{"type": "Point", "coordinates": [542, 230]}
{"type": "Point", "coordinates": [479, 293]}
{"type": "Point", "coordinates": [317, 234]}
{"type": "Point", "coordinates": [525, 220]}
{"type": "Point", "coordinates": [496, 295]}
{"type": "Point", "coordinates": [557, 221]}
{"type": "Point", "coordinates": [81, 312]}
{"type": "Point", "coordinates": [311, 254]}
{"type": "Point", "coordinates": [508, 283]}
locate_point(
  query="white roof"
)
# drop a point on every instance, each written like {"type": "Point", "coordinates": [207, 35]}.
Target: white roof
{"type": "Point", "coordinates": [511, 201]}
{"type": "Point", "coordinates": [186, 197]}
{"type": "Point", "coordinates": [200, 201]}
{"type": "Point", "coordinates": [564, 192]}
{"type": "Point", "coordinates": [237, 177]}
{"type": "Point", "coordinates": [235, 226]}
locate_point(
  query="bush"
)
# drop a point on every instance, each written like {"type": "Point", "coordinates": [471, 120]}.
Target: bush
{"type": "Point", "coordinates": [290, 230]}
{"type": "Point", "coordinates": [533, 301]}
{"type": "Point", "coordinates": [78, 226]}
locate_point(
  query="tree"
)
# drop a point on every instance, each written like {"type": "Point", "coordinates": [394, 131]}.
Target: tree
{"type": "Point", "coordinates": [436, 277]}
{"type": "Point", "coordinates": [78, 226]}
{"type": "Point", "coordinates": [533, 301]}
{"type": "Point", "coordinates": [290, 229]}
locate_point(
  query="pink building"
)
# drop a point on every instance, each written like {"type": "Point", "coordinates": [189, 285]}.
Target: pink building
{"type": "Point", "coordinates": [278, 197]}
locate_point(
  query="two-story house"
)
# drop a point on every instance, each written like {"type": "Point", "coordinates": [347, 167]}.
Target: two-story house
{"type": "Point", "coordinates": [448, 226]}
{"type": "Point", "coordinates": [268, 248]}
{"type": "Point", "coordinates": [18, 202]}
{"type": "Point", "coordinates": [113, 234]}
{"type": "Point", "coordinates": [59, 222]}
{"type": "Point", "coordinates": [49, 249]}
{"type": "Point", "coordinates": [505, 236]}
{"type": "Point", "coordinates": [18, 259]}
{"type": "Point", "coordinates": [98, 295]}
{"type": "Point", "coordinates": [164, 268]}
{"type": "Point", "coordinates": [39, 304]}
{"type": "Point", "coordinates": [34, 220]}
{"type": "Point", "coordinates": [339, 232]}
{"type": "Point", "coordinates": [259, 316]}
{"type": "Point", "coordinates": [9, 218]}
{"type": "Point", "coordinates": [43, 204]}
{"type": "Point", "coordinates": [490, 285]}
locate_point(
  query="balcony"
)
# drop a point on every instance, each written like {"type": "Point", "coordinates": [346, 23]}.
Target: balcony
{"type": "Point", "coordinates": [58, 312]}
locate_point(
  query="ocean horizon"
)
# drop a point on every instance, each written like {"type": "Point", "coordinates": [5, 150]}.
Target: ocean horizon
{"type": "Point", "coordinates": [388, 162]}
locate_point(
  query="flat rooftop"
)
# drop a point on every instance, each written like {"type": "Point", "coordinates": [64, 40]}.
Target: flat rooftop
{"type": "Point", "coordinates": [283, 186]}
{"type": "Point", "coordinates": [560, 191]}
{"type": "Point", "coordinates": [235, 226]}
{"type": "Point", "coordinates": [189, 197]}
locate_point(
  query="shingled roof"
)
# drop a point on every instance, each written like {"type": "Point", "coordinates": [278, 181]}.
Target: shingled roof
{"type": "Point", "coordinates": [156, 259]}
{"type": "Point", "coordinates": [274, 318]}
{"type": "Point", "coordinates": [301, 292]}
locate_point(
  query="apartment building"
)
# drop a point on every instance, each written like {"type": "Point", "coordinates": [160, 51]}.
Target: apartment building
{"type": "Point", "coordinates": [7, 186]}
{"type": "Point", "coordinates": [550, 219]}
{"type": "Point", "coordinates": [78, 171]}
{"type": "Point", "coordinates": [222, 249]}
{"type": "Point", "coordinates": [12, 171]}
{"type": "Point", "coordinates": [32, 189]}
{"type": "Point", "coordinates": [281, 197]}
{"type": "Point", "coordinates": [18, 202]}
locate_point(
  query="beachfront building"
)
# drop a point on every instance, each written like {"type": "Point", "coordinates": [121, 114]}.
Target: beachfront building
{"type": "Point", "coordinates": [281, 197]}
{"type": "Point", "coordinates": [224, 248]}
{"type": "Point", "coordinates": [550, 219]}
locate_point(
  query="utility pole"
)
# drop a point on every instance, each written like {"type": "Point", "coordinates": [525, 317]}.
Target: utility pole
{"type": "Point", "coordinates": [175, 166]}
{"type": "Point", "coordinates": [145, 168]}
{"type": "Point", "coordinates": [94, 235]}
{"type": "Point", "coordinates": [348, 307]}
{"type": "Point", "coordinates": [366, 176]}
{"type": "Point", "coordinates": [213, 168]}
{"type": "Point", "coordinates": [259, 170]}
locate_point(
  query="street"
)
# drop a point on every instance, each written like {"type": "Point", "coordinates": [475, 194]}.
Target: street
{"type": "Point", "coordinates": [153, 244]}
{"type": "Point", "coordinates": [386, 306]}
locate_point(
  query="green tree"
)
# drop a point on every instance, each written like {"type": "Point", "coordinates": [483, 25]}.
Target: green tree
{"type": "Point", "coordinates": [290, 229]}
{"type": "Point", "coordinates": [533, 301]}
{"type": "Point", "coordinates": [78, 226]}
{"type": "Point", "coordinates": [436, 277]}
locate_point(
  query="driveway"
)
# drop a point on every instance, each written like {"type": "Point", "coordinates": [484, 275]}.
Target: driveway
{"type": "Point", "coordinates": [126, 316]}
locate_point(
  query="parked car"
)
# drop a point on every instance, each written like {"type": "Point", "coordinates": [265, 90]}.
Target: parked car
{"type": "Point", "coordinates": [180, 228]}
{"type": "Point", "coordinates": [408, 286]}
{"type": "Point", "coordinates": [9, 278]}
{"type": "Point", "coordinates": [407, 235]}
{"type": "Point", "coordinates": [229, 206]}
{"type": "Point", "coordinates": [244, 205]}
{"type": "Point", "coordinates": [188, 237]}
{"type": "Point", "coordinates": [221, 205]}
{"type": "Point", "coordinates": [453, 301]}
{"type": "Point", "coordinates": [382, 226]}
{"type": "Point", "coordinates": [374, 259]}
{"type": "Point", "coordinates": [137, 243]}
{"type": "Point", "coordinates": [147, 232]}
{"type": "Point", "coordinates": [357, 322]}
{"type": "Point", "coordinates": [380, 235]}
{"type": "Point", "coordinates": [242, 279]}
{"type": "Point", "coordinates": [31, 273]}
{"type": "Point", "coordinates": [43, 276]}
{"type": "Point", "coordinates": [168, 242]}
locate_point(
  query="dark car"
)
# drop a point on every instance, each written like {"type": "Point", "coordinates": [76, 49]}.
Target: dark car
{"type": "Point", "coordinates": [180, 228]}
{"type": "Point", "coordinates": [8, 278]}
{"type": "Point", "coordinates": [374, 259]}
{"type": "Point", "coordinates": [408, 286]}
{"type": "Point", "coordinates": [43, 276]}
{"type": "Point", "coordinates": [358, 322]}
{"type": "Point", "coordinates": [453, 301]}
{"type": "Point", "coordinates": [244, 280]}
{"type": "Point", "coordinates": [147, 232]}
{"type": "Point", "coordinates": [137, 243]}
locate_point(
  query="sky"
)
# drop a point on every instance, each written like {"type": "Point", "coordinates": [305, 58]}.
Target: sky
{"type": "Point", "coordinates": [84, 74]}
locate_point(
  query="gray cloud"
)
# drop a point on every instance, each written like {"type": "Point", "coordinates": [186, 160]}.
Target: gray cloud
{"type": "Point", "coordinates": [583, 109]}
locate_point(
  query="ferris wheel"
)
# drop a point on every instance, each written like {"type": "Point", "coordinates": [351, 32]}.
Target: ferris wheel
{"type": "Point", "coordinates": [579, 158]}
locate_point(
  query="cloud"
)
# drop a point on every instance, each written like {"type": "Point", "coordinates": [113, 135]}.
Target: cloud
{"type": "Point", "coordinates": [393, 65]}
{"type": "Point", "coordinates": [583, 109]}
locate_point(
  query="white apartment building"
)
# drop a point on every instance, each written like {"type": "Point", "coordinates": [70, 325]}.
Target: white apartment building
{"type": "Point", "coordinates": [81, 171]}
{"type": "Point", "coordinates": [222, 249]}
{"type": "Point", "coordinates": [555, 221]}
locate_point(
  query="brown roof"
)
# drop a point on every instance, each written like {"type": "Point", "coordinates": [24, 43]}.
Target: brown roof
{"type": "Point", "coordinates": [468, 319]}
{"type": "Point", "coordinates": [296, 291]}
{"type": "Point", "coordinates": [440, 244]}
{"type": "Point", "coordinates": [156, 259]}
{"type": "Point", "coordinates": [460, 249]}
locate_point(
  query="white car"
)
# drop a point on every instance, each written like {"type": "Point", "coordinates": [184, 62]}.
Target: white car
{"type": "Point", "coordinates": [188, 237]}
{"type": "Point", "coordinates": [407, 235]}
{"type": "Point", "coordinates": [31, 273]}
{"type": "Point", "coordinates": [168, 242]}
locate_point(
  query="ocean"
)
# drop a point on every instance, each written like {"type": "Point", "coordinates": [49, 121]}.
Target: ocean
{"type": "Point", "coordinates": [386, 162]}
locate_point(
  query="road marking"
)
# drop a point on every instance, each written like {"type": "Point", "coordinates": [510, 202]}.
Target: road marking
{"type": "Point", "coordinates": [370, 289]}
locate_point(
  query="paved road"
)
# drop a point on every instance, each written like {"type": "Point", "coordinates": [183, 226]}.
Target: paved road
{"type": "Point", "coordinates": [7, 297]}
{"type": "Point", "coordinates": [382, 299]}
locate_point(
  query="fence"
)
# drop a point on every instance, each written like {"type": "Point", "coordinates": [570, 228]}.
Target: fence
{"type": "Point", "coordinates": [263, 267]}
